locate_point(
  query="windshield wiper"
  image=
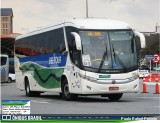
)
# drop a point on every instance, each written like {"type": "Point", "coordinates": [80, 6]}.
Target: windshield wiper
{"type": "Point", "coordinates": [117, 57]}
{"type": "Point", "coordinates": [132, 45]}
{"type": "Point", "coordinates": [101, 64]}
{"type": "Point", "coordinates": [103, 59]}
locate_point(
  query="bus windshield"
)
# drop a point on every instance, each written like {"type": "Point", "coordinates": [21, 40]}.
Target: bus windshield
{"type": "Point", "coordinates": [108, 49]}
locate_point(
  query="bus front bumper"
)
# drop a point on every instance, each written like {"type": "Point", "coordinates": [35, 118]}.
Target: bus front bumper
{"type": "Point", "coordinates": [89, 87]}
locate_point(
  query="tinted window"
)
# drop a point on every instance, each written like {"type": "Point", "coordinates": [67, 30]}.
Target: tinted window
{"type": "Point", "coordinates": [70, 37]}
{"type": "Point", "coordinates": [43, 43]}
{"type": "Point", "coordinates": [74, 53]}
{"type": "Point", "coordinates": [3, 60]}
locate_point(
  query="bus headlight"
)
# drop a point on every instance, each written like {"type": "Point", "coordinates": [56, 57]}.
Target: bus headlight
{"type": "Point", "coordinates": [134, 77]}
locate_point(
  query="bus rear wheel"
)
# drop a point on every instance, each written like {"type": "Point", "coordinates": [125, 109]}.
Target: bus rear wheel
{"type": "Point", "coordinates": [65, 91]}
{"type": "Point", "coordinates": [115, 97]}
{"type": "Point", "coordinates": [30, 93]}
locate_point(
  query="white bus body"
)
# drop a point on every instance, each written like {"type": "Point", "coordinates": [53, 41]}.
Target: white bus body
{"type": "Point", "coordinates": [78, 57]}
{"type": "Point", "coordinates": [4, 68]}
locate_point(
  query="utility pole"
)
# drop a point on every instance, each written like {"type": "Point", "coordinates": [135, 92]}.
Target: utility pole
{"type": "Point", "coordinates": [87, 8]}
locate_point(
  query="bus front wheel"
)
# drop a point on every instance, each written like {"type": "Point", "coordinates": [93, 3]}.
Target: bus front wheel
{"type": "Point", "coordinates": [65, 91]}
{"type": "Point", "coordinates": [30, 93]}
{"type": "Point", "coordinates": [115, 97]}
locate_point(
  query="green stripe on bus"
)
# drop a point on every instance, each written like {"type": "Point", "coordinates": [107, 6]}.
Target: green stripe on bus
{"type": "Point", "coordinates": [46, 78]}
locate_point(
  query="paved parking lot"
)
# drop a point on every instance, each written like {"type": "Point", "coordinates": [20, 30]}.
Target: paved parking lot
{"type": "Point", "coordinates": [51, 103]}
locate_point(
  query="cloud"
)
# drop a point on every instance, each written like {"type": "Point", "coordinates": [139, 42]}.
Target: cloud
{"type": "Point", "coordinates": [142, 14]}
{"type": "Point", "coordinates": [58, 4]}
{"type": "Point", "coordinates": [31, 14]}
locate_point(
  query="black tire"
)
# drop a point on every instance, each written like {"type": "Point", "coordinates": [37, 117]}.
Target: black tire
{"type": "Point", "coordinates": [30, 93]}
{"type": "Point", "coordinates": [65, 91]}
{"type": "Point", "coordinates": [9, 80]}
{"type": "Point", "coordinates": [115, 97]}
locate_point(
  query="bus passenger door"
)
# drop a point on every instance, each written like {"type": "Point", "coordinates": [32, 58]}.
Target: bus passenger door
{"type": "Point", "coordinates": [75, 80]}
{"type": "Point", "coordinates": [74, 71]}
{"type": "Point", "coordinates": [75, 56]}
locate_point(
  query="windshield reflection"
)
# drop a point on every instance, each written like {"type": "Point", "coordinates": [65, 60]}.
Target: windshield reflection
{"type": "Point", "coordinates": [108, 49]}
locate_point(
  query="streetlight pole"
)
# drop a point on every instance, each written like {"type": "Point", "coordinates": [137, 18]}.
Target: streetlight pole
{"type": "Point", "coordinates": [87, 8]}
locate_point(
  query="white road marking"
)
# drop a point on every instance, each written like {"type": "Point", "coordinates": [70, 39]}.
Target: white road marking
{"type": "Point", "coordinates": [148, 97]}
{"type": "Point", "coordinates": [38, 101]}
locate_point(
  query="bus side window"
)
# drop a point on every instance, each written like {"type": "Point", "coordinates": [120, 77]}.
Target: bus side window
{"type": "Point", "coordinates": [62, 47]}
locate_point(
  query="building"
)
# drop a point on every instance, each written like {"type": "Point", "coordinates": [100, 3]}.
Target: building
{"type": "Point", "coordinates": [6, 20]}
{"type": "Point", "coordinates": [157, 29]}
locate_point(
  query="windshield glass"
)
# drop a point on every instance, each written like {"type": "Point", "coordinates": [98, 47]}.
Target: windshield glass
{"type": "Point", "coordinates": [108, 49]}
{"type": "Point", "coordinates": [95, 44]}
{"type": "Point", "coordinates": [123, 49]}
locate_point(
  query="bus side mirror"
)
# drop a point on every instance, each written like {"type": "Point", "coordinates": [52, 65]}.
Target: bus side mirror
{"type": "Point", "coordinates": [77, 40]}
{"type": "Point", "coordinates": [142, 39]}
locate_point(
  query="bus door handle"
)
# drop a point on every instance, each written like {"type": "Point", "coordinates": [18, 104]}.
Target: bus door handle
{"type": "Point", "coordinates": [74, 74]}
{"type": "Point", "coordinates": [73, 70]}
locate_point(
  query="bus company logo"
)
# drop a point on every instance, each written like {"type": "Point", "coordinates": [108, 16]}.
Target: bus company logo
{"type": "Point", "coordinates": [55, 60]}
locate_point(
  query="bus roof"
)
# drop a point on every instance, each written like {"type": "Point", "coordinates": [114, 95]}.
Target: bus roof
{"type": "Point", "coordinates": [87, 23]}
{"type": "Point", "coordinates": [97, 23]}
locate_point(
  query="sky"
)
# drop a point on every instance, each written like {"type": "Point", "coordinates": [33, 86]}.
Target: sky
{"type": "Point", "coordinates": [29, 15]}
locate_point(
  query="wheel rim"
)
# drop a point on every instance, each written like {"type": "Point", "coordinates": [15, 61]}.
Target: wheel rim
{"type": "Point", "coordinates": [27, 89]}
{"type": "Point", "coordinates": [66, 90]}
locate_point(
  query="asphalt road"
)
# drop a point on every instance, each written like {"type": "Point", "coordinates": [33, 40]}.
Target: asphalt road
{"type": "Point", "coordinates": [51, 103]}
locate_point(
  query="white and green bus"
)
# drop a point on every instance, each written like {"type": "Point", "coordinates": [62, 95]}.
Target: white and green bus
{"type": "Point", "coordinates": [79, 57]}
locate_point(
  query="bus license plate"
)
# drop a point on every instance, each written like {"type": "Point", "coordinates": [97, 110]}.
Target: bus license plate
{"type": "Point", "coordinates": [113, 88]}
